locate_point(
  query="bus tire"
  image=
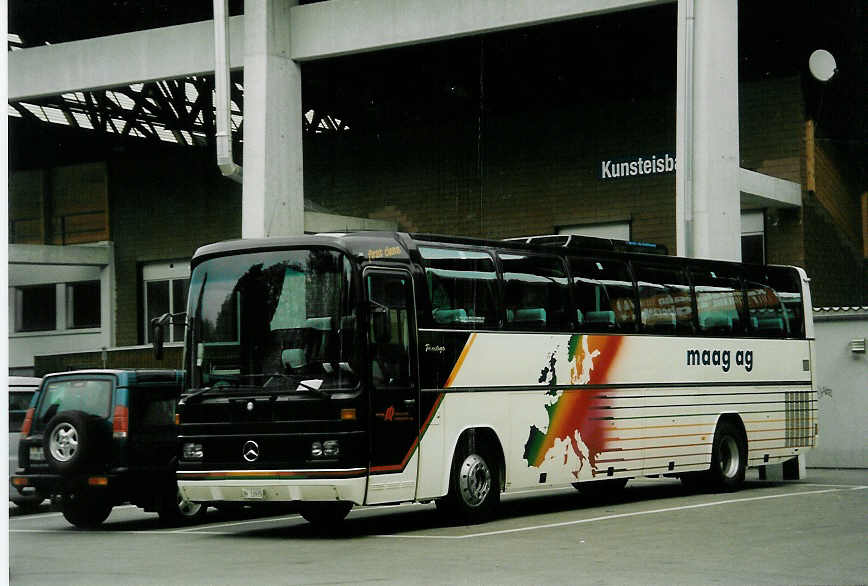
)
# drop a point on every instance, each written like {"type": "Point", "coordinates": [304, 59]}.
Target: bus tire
{"type": "Point", "coordinates": [598, 489]}
{"type": "Point", "coordinates": [474, 485]}
{"type": "Point", "coordinates": [728, 458]}
{"type": "Point", "coordinates": [325, 514]}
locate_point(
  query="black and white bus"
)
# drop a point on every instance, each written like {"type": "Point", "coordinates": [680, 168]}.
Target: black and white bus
{"type": "Point", "coordinates": [371, 368]}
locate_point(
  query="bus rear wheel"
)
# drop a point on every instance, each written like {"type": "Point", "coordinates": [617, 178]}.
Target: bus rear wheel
{"type": "Point", "coordinates": [474, 486]}
{"type": "Point", "coordinates": [728, 458]}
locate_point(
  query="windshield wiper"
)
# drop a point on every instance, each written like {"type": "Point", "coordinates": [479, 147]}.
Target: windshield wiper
{"type": "Point", "coordinates": [219, 387]}
{"type": "Point", "coordinates": [195, 393]}
{"type": "Point", "coordinates": [301, 385]}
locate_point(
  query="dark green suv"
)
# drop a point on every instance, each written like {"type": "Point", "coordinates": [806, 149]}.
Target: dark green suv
{"type": "Point", "coordinates": [93, 439]}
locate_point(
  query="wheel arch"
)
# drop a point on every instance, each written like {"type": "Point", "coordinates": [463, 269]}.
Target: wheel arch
{"type": "Point", "coordinates": [735, 420]}
{"type": "Point", "coordinates": [478, 433]}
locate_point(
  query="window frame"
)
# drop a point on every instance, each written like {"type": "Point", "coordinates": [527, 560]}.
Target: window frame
{"type": "Point", "coordinates": [70, 304]}
{"type": "Point", "coordinates": [170, 271]}
{"type": "Point", "coordinates": [20, 291]}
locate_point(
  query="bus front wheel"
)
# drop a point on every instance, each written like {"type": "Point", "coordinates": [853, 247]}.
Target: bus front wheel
{"type": "Point", "coordinates": [325, 514]}
{"type": "Point", "coordinates": [474, 485]}
{"type": "Point", "coordinates": [728, 458]}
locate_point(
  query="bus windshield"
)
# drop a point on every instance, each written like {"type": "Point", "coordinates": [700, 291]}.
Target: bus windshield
{"type": "Point", "coordinates": [275, 321]}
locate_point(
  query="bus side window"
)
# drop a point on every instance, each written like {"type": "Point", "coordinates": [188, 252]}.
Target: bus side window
{"type": "Point", "coordinates": [461, 287]}
{"type": "Point", "coordinates": [603, 292]}
{"type": "Point", "coordinates": [719, 301]}
{"type": "Point", "coordinates": [390, 329]}
{"type": "Point", "coordinates": [536, 292]}
{"type": "Point", "coordinates": [786, 283]}
{"type": "Point", "coordinates": [767, 317]}
{"type": "Point", "coordinates": [664, 300]}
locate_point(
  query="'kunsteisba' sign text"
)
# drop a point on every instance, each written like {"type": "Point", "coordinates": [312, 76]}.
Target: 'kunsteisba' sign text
{"type": "Point", "coordinates": [636, 166]}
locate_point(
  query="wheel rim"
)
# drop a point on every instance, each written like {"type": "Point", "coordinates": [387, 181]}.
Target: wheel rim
{"type": "Point", "coordinates": [187, 508]}
{"type": "Point", "coordinates": [730, 459]}
{"type": "Point", "coordinates": [64, 442]}
{"type": "Point", "coordinates": [474, 480]}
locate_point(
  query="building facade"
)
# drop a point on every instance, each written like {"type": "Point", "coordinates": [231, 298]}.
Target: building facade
{"type": "Point", "coordinates": [567, 126]}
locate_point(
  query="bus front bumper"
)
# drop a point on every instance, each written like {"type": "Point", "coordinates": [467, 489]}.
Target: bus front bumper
{"type": "Point", "coordinates": [253, 486]}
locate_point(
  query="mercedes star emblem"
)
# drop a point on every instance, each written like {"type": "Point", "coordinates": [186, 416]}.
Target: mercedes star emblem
{"type": "Point", "coordinates": [250, 451]}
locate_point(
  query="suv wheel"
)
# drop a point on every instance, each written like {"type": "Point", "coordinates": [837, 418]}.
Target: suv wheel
{"type": "Point", "coordinates": [86, 511]}
{"type": "Point", "coordinates": [29, 503]}
{"type": "Point", "coordinates": [175, 509]}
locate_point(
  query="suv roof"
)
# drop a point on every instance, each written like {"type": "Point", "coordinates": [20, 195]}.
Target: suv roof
{"type": "Point", "coordinates": [128, 376]}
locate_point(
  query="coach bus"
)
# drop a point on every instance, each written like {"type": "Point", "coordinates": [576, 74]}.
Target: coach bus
{"type": "Point", "coordinates": [371, 368]}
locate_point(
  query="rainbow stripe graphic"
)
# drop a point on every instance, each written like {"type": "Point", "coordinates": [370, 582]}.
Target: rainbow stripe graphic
{"type": "Point", "coordinates": [572, 415]}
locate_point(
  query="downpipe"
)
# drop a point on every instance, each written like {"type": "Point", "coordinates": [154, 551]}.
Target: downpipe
{"type": "Point", "coordinates": [223, 104]}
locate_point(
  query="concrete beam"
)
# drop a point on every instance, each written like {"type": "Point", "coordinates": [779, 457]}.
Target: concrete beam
{"type": "Point", "coordinates": [38, 254]}
{"type": "Point", "coordinates": [707, 208]}
{"type": "Point", "coordinates": [119, 60]}
{"type": "Point", "coordinates": [273, 190]}
{"type": "Point", "coordinates": [342, 27]}
{"type": "Point", "coordinates": [763, 191]}
{"type": "Point", "coordinates": [322, 29]}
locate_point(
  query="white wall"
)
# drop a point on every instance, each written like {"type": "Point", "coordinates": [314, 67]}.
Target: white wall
{"type": "Point", "coordinates": [842, 381]}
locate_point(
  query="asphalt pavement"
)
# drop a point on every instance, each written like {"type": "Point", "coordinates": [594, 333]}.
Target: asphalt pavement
{"type": "Point", "coordinates": [812, 531]}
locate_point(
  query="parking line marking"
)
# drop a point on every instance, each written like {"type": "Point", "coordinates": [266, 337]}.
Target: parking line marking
{"type": "Point", "coordinates": [853, 486]}
{"type": "Point", "coordinates": [58, 514]}
{"type": "Point", "coordinates": [235, 523]}
{"type": "Point", "coordinates": [622, 515]}
{"type": "Point", "coordinates": [291, 517]}
{"type": "Point", "coordinates": [71, 531]}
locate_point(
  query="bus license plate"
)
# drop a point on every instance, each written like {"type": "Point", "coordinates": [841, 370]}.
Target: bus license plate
{"type": "Point", "coordinates": [36, 454]}
{"type": "Point", "coordinates": [252, 493]}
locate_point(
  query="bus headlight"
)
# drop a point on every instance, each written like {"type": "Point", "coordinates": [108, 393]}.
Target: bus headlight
{"type": "Point", "coordinates": [326, 449]}
{"type": "Point", "coordinates": [331, 448]}
{"type": "Point", "coordinates": [193, 451]}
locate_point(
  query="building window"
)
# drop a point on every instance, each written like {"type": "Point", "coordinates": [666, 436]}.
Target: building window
{"type": "Point", "coordinates": [36, 308]}
{"type": "Point", "coordinates": [753, 237]}
{"type": "Point", "coordinates": [83, 305]}
{"type": "Point", "coordinates": [165, 291]}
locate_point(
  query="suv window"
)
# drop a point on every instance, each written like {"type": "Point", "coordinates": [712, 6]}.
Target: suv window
{"type": "Point", "coordinates": [153, 410]}
{"type": "Point", "coordinates": [19, 402]}
{"type": "Point", "coordinates": [90, 396]}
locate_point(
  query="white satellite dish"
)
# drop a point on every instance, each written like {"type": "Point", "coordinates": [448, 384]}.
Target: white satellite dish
{"type": "Point", "coordinates": [822, 65]}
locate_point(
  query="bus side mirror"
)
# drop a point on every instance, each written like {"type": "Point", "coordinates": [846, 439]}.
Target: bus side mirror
{"type": "Point", "coordinates": [158, 334]}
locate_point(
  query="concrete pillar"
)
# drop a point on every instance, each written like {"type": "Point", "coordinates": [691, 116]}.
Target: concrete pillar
{"type": "Point", "coordinates": [273, 190]}
{"type": "Point", "coordinates": [708, 217]}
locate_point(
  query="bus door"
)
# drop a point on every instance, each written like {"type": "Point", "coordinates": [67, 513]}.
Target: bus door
{"type": "Point", "coordinates": [394, 412]}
